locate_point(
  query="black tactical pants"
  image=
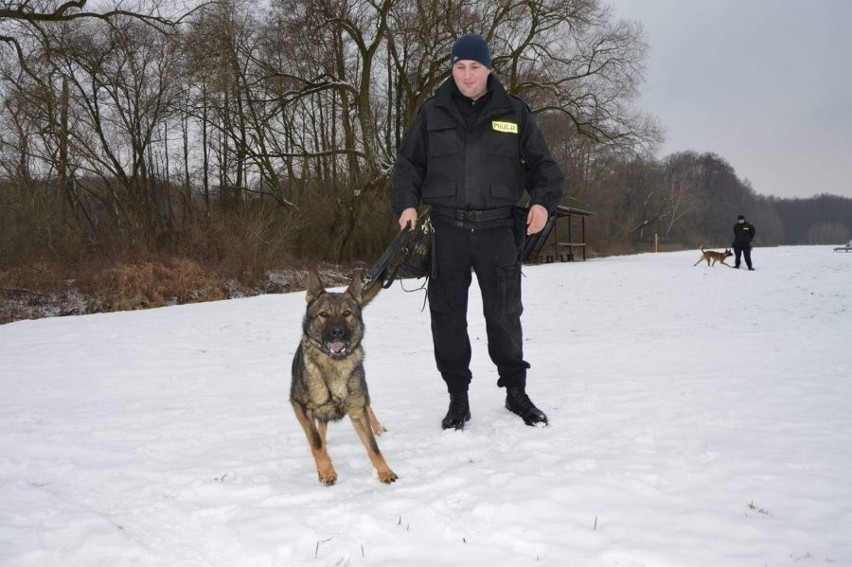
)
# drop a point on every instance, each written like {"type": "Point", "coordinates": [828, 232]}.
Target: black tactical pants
{"type": "Point", "coordinates": [745, 250]}
{"type": "Point", "coordinates": [491, 252]}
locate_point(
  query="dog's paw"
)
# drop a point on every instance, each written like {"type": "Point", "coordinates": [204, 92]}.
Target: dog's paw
{"type": "Point", "coordinates": [388, 476]}
{"type": "Point", "coordinates": [328, 477]}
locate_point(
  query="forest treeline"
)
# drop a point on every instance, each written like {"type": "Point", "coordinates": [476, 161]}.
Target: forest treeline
{"type": "Point", "coordinates": [245, 138]}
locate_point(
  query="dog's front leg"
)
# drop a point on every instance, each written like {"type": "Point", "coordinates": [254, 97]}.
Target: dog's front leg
{"type": "Point", "coordinates": [361, 423]}
{"type": "Point", "coordinates": [327, 474]}
{"type": "Point", "coordinates": [315, 431]}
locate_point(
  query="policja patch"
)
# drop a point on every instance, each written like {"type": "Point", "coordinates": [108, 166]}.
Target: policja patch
{"type": "Point", "coordinates": [505, 127]}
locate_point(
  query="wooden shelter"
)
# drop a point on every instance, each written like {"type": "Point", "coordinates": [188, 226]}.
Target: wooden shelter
{"type": "Point", "coordinates": [560, 238]}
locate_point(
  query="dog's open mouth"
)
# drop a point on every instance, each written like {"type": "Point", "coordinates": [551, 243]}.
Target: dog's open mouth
{"type": "Point", "coordinates": [337, 348]}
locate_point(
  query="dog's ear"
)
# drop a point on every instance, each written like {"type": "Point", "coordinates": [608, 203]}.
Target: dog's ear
{"type": "Point", "coordinates": [356, 286]}
{"type": "Point", "coordinates": [315, 286]}
{"type": "Point", "coordinates": [363, 295]}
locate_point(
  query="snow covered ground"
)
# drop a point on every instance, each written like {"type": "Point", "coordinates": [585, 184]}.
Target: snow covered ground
{"type": "Point", "coordinates": [698, 417]}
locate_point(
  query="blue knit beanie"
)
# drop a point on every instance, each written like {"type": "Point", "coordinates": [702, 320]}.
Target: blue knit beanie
{"type": "Point", "coordinates": [471, 47]}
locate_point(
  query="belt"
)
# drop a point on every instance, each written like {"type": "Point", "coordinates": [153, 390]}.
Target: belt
{"type": "Point", "coordinates": [473, 215]}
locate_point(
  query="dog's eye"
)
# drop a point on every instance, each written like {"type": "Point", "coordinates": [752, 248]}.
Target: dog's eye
{"type": "Point", "coordinates": [347, 313]}
{"type": "Point", "coordinates": [323, 314]}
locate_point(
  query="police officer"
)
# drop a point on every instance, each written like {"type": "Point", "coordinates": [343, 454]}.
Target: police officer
{"type": "Point", "coordinates": [471, 152]}
{"type": "Point", "coordinates": [743, 235]}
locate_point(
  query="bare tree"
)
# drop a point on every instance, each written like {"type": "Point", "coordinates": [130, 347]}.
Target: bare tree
{"type": "Point", "coordinates": [298, 105]}
{"type": "Point", "coordinates": [18, 17]}
{"type": "Point", "coordinates": [683, 201]}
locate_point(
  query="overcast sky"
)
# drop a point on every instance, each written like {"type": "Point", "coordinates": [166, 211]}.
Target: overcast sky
{"type": "Point", "coordinates": [765, 84]}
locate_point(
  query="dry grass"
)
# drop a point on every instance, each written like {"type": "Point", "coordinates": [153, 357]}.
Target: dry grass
{"type": "Point", "coordinates": [145, 285]}
{"type": "Point", "coordinates": [36, 290]}
{"type": "Point", "coordinates": [36, 278]}
{"type": "Point", "coordinates": [44, 290]}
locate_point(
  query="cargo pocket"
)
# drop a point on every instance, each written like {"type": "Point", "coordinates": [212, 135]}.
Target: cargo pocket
{"type": "Point", "coordinates": [507, 298]}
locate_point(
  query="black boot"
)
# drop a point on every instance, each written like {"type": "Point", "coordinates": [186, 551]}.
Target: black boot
{"type": "Point", "coordinates": [458, 412]}
{"type": "Point", "coordinates": [520, 404]}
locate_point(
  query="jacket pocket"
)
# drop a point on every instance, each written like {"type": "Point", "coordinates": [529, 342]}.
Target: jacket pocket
{"type": "Point", "coordinates": [505, 147]}
{"type": "Point", "coordinates": [439, 190]}
{"type": "Point", "coordinates": [504, 193]}
{"type": "Point", "coordinates": [443, 138]}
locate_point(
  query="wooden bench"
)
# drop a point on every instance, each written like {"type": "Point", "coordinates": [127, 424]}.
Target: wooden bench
{"type": "Point", "coordinates": [569, 246]}
{"type": "Point", "coordinates": [546, 246]}
{"type": "Point", "coordinates": [846, 248]}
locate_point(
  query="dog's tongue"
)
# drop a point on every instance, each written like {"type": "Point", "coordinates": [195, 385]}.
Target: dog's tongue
{"type": "Point", "coordinates": [336, 346]}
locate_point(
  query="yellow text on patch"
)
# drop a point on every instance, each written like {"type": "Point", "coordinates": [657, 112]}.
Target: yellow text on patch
{"type": "Point", "coordinates": [505, 127]}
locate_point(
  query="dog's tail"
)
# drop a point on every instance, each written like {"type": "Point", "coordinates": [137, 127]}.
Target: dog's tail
{"type": "Point", "coordinates": [702, 248]}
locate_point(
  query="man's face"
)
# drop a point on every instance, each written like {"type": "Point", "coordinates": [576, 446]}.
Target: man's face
{"type": "Point", "coordinates": [471, 78]}
{"type": "Point", "coordinates": [741, 221]}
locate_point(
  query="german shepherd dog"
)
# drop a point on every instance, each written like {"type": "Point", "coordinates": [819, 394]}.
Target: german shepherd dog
{"type": "Point", "coordinates": [328, 373]}
{"type": "Point", "coordinates": [712, 257]}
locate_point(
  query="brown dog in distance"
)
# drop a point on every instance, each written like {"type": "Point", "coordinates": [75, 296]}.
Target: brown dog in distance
{"type": "Point", "coordinates": [328, 373]}
{"type": "Point", "coordinates": [712, 257]}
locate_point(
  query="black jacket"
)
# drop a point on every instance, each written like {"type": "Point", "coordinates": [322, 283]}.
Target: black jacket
{"type": "Point", "coordinates": [743, 233]}
{"type": "Point", "coordinates": [443, 162]}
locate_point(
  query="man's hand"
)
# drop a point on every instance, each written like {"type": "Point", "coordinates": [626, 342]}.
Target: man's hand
{"type": "Point", "coordinates": [408, 215]}
{"type": "Point", "coordinates": [536, 219]}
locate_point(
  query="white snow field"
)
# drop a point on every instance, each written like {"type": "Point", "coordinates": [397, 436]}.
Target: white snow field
{"type": "Point", "coordinates": [699, 417]}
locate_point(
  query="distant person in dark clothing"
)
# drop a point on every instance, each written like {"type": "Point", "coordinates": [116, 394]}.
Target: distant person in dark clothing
{"type": "Point", "coordinates": [743, 235]}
